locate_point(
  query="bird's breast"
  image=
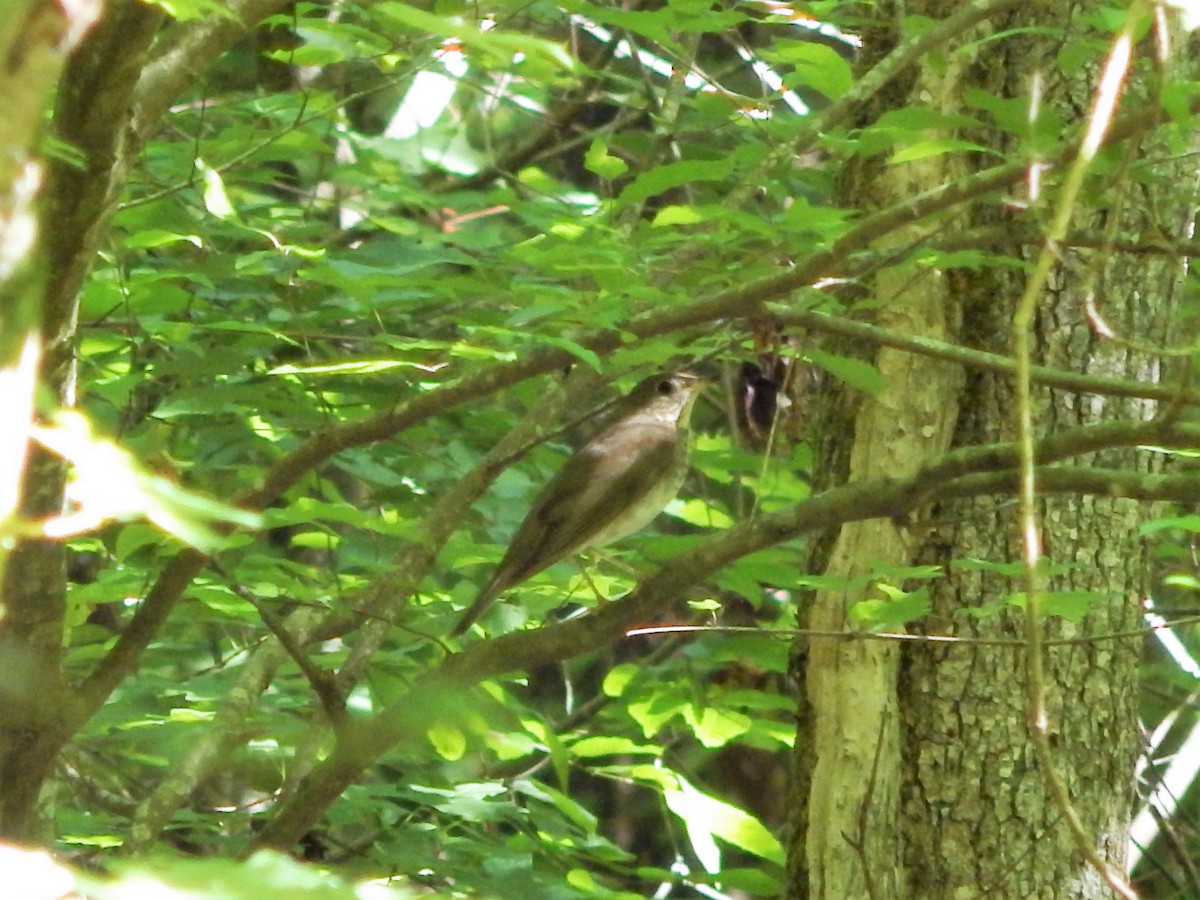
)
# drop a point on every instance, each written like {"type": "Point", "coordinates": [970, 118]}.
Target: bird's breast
{"type": "Point", "coordinates": [642, 512]}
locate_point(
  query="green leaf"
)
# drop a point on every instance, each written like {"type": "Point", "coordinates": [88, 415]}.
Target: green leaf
{"type": "Point", "coordinates": [678, 215]}
{"type": "Point", "coordinates": [655, 24]}
{"type": "Point", "coordinates": [652, 713]}
{"type": "Point", "coordinates": [497, 46]}
{"type": "Point", "coordinates": [716, 727]}
{"type": "Point", "coordinates": [582, 880]}
{"type": "Point", "coordinates": [598, 160]}
{"type": "Point", "coordinates": [190, 10]}
{"type": "Point", "coordinates": [570, 808]}
{"type": "Point", "coordinates": [473, 801]}
{"type": "Point", "coordinates": [815, 66]}
{"type": "Point", "coordinates": [1009, 113]}
{"type": "Point", "coordinates": [700, 513]}
{"type": "Point", "coordinates": [583, 353]}
{"type": "Point", "coordinates": [1046, 566]}
{"type": "Point", "coordinates": [923, 118]}
{"type": "Point", "coordinates": [618, 678]}
{"type": "Point", "coordinates": [157, 237]}
{"type": "Point", "coordinates": [936, 147]}
{"type": "Point", "coordinates": [1182, 580]}
{"type": "Point", "coordinates": [897, 610]}
{"type": "Point", "coordinates": [216, 200]}
{"type": "Point", "coordinates": [706, 818]}
{"type": "Point", "coordinates": [449, 742]}
{"type": "Point", "coordinates": [857, 373]}
{"type": "Point", "coordinates": [1070, 605]}
{"type": "Point", "coordinates": [613, 746]}
{"type": "Point", "coordinates": [672, 175]}
{"type": "Point", "coordinates": [358, 367]}
{"type": "Point", "coordinates": [755, 882]}
{"type": "Point", "coordinates": [266, 874]}
{"type": "Point", "coordinates": [1189, 523]}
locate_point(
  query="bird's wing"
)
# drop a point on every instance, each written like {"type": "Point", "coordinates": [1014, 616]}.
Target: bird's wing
{"type": "Point", "coordinates": [612, 483]}
{"type": "Point", "coordinates": [615, 472]}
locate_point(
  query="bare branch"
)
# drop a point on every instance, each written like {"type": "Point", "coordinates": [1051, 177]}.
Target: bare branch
{"type": "Point", "coordinates": [412, 714]}
{"type": "Point", "coordinates": [743, 303]}
{"type": "Point", "coordinates": [188, 50]}
{"type": "Point", "coordinates": [982, 360]}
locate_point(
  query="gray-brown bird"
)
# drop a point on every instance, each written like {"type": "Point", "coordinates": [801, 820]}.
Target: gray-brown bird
{"type": "Point", "coordinates": [612, 486]}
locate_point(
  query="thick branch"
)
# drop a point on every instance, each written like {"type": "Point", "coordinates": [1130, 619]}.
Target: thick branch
{"type": "Point", "coordinates": [743, 303]}
{"type": "Point", "coordinates": [413, 713]}
{"type": "Point", "coordinates": [186, 52]}
{"type": "Point", "coordinates": [91, 114]}
{"type": "Point", "coordinates": [747, 302]}
{"type": "Point", "coordinates": [981, 359]}
{"type": "Point", "coordinates": [35, 38]}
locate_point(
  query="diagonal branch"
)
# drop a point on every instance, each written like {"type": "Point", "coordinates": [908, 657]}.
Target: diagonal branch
{"type": "Point", "coordinates": [994, 467]}
{"type": "Point", "coordinates": [739, 304]}
{"type": "Point", "coordinates": [743, 303]}
{"type": "Point", "coordinates": [981, 360]}
{"type": "Point", "coordinates": [186, 52]}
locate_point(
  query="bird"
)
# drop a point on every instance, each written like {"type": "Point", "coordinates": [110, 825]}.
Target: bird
{"type": "Point", "coordinates": [612, 486]}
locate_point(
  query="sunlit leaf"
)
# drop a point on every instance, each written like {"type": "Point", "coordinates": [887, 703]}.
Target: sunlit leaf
{"type": "Point", "coordinates": [107, 484]}
{"type": "Point", "coordinates": [700, 513]}
{"type": "Point", "coordinates": [855, 372]}
{"type": "Point", "coordinates": [678, 215]}
{"type": "Point", "coordinates": [672, 175]}
{"type": "Point", "coordinates": [599, 160]}
{"type": "Point", "coordinates": [612, 746]}
{"type": "Point", "coordinates": [716, 727]}
{"type": "Point", "coordinates": [216, 200]}
{"type": "Point", "coordinates": [188, 10]}
{"type": "Point", "coordinates": [706, 818]}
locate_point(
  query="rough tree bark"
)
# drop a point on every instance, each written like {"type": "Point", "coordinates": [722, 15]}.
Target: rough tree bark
{"type": "Point", "coordinates": [915, 775]}
{"type": "Point", "coordinates": [116, 84]}
{"type": "Point", "coordinates": [35, 41]}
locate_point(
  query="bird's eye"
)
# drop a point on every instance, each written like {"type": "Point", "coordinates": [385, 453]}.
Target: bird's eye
{"type": "Point", "coordinates": [665, 387]}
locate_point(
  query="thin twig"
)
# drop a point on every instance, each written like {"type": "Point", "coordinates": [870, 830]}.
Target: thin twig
{"type": "Point", "coordinates": [1016, 643]}
{"type": "Point", "coordinates": [322, 682]}
{"type": "Point", "coordinates": [980, 360]}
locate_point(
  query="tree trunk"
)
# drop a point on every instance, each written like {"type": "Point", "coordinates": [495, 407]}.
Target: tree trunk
{"type": "Point", "coordinates": [915, 773]}
{"type": "Point", "coordinates": [35, 39]}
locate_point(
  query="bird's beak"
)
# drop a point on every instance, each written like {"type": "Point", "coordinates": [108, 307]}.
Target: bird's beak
{"type": "Point", "coordinates": [707, 370]}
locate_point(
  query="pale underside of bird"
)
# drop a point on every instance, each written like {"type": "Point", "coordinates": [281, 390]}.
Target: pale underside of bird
{"type": "Point", "coordinates": [614, 485]}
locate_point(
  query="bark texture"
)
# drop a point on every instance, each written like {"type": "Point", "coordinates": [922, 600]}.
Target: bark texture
{"type": "Point", "coordinates": [117, 80]}
{"type": "Point", "coordinates": [35, 40]}
{"type": "Point", "coordinates": [915, 773]}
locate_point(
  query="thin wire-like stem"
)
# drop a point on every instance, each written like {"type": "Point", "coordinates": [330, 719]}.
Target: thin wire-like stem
{"type": "Point", "coordinates": [1107, 94]}
{"type": "Point", "coordinates": [906, 637]}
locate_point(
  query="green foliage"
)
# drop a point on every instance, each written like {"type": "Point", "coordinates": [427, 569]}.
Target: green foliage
{"type": "Point", "coordinates": [264, 875]}
{"type": "Point", "coordinates": [108, 484]}
{"type": "Point", "coordinates": [187, 10]}
{"type": "Point", "coordinates": [282, 264]}
{"type": "Point", "coordinates": [897, 609]}
{"type": "Point", "coordinates": [855, 372]}
{"type": "Point", "coordinates": [351, 217]}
